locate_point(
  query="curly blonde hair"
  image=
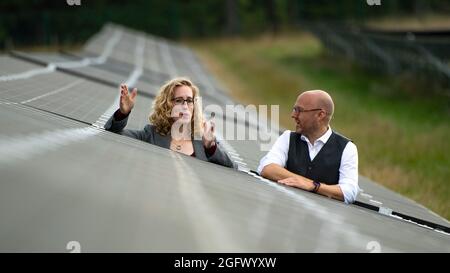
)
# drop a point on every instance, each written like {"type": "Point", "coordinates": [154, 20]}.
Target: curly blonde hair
{"type": "Point", "coordinates": [161, 118]}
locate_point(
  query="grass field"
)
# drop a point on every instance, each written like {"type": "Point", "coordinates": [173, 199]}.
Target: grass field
{"type": "Point", "coordinates": [401, 127]}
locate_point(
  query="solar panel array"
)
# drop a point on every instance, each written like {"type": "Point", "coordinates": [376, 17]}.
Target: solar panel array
{"type": "Point", "coordinates": [64, 178]}
{"type": "Point", "coordinates": [424, 53]}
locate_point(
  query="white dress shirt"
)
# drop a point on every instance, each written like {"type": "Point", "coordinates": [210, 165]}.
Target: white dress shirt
{"type": "Point", "coordinates": [348, 171]}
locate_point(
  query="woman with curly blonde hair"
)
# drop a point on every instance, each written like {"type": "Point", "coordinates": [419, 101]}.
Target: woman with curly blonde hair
{"type": "Point", "coordinates": [176, 122]}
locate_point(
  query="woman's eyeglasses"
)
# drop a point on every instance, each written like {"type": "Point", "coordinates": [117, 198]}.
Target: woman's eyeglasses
{"type": "Point", "coordinates": [181, 101]}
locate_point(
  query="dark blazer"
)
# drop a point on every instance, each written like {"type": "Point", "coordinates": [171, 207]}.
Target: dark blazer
{"type": "Point", "coordinates": [149, 134]}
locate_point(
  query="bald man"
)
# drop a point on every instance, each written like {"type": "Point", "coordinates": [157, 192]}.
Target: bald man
{"type": "Point", "coordinates": [314, 157]}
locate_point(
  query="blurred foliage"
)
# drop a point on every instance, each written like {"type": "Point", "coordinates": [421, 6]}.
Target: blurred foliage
{"type": "Point", "coordinates": [32, 22]}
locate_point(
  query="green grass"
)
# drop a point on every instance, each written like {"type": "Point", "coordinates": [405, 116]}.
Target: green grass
{"type": "Point", "coordinates": [401, 126]}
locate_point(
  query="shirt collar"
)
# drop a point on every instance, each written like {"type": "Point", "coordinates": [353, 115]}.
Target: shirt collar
{"type": "Point", "coordinates": [324, 138]}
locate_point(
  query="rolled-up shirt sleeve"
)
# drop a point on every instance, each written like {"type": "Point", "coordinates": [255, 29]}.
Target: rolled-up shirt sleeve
{"type": "Point", "coordinates": [278, 154]}
{"type": "Point", "coordinates": [348, 173]}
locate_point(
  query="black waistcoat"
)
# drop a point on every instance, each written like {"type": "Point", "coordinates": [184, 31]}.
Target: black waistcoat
{"type": "Point", "coordinates": [325, 166]}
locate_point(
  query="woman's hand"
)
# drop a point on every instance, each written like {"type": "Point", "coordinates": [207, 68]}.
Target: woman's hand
{"type": "Point", "coordinates": [127, 99]}
{"type": "Point", "coordinates": [209, 139]}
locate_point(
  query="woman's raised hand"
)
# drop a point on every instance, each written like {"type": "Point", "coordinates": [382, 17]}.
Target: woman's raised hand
{"type": "Point", "coordinates": [127, 99]}
{"type": "Point", "coordinates": [209, 138]}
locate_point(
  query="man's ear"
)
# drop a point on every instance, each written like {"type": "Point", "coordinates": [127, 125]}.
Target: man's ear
{"type": "Point", "coordinates": [322, 115]}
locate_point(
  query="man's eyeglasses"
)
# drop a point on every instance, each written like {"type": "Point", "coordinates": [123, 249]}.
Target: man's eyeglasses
{"type": "Point", "coordinates": [298, 110]}
{"type": "Point", "coordinates": [180, 101]}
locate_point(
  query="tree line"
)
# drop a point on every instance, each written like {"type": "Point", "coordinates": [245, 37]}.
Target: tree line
{"type": "Point", "coordinates": [37, 22]}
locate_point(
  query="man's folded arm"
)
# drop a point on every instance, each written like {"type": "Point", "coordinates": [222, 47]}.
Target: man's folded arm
{"type": "Point", "coordinates": [275, 172]}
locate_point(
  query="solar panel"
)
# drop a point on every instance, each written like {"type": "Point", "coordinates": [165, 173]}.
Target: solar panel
{"type": "Point", "coordinates": [13, 66]}
{"type": "Point", "coordinates": [64, 178]}
{"type": "Point", "coordinates": [164, 201]}
{"type": "Point", "coordinates": [51, 57]}
{"type": "Point", "coordinates": [62, 94]}
{"type": "Point", "coordinates": [378, 195]}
